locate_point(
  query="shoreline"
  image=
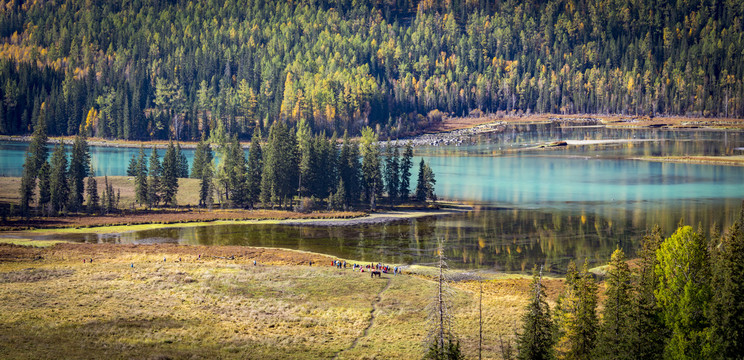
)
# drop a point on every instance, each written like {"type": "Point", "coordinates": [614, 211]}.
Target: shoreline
{"type": "Point", "coordinates": [369, 219]}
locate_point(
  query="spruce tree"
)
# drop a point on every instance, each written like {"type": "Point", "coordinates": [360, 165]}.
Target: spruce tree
{"type": "Point", "coordinates": [44, 187]}
{"type": "Point", "coordinates": [649, 332]}
{"type": "Point", "coordinates": [406, 164]}
{"type": "Point", "coordinates": [93, 200]}
{"type": "Point", "coordinates": [372, 182]}
{"type": "Point", "coordinates": [425, 184]}
{"type": "Point", "coordinates": [79, 169]}
{"type": "Point", "coordinates": [237, 173]}
{"type": "Point", "coordinates": [255, 168]}
{"type": "Point", "coordinates": [154, 179]}
{"type": "Point", "coordinates": [132, 167]}
{"type": "Point", "coordinates": [36, 155]}
{"type": "Point", "coordinates": [202, 157]}
{"type": "Point", "coordinates": [576, 316]}
{"type": "Point", "coordinates": [536, 340]}
{"type": "Point", "coordinates": [279, 180]}
{"type": "Point", "coordinates": [305, 149]}
{"type": "Point", "coordinates": [206, 186]}
{"type": "Point", "coordinates": [182, 162]}
{"type": "Point", "coordinates": [392, 172]}
{"type": "Point", "coordinates": [140, 180]}
{"type": "Point", "coordinates": [684, 293]}
{"type": "Point", "coordinates": [616, 332]}
{"type": "Point", "coordinates": [169, 182]}
{"type": "Point", "coordinates": [348, 169]}
{"type": "Point", "coordinates": [727, 306]}
{"type": "Point", "coordinates": [58, 180]}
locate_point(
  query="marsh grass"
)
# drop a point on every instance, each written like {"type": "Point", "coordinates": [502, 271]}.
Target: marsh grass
{"type": "Point", "coordinates": [60, 307]}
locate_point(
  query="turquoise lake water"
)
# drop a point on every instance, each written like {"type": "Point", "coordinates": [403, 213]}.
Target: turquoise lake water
{"type": "Point", "coordinates": [533, 205]}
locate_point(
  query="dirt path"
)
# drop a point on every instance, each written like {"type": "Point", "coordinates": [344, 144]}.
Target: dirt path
{"type": "Point", "coordinates": [371, 319]}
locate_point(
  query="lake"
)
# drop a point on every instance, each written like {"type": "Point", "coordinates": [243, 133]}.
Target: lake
{"type": "Point", "coordinates": [533, 206]}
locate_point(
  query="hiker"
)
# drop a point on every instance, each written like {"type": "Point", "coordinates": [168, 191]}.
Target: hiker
{"type": "Point", "coordinates": [311, 262]}
{"type": "Point", "coordinates": [199, 258]}
{"type": "Point", "coordinates": [254, 262]}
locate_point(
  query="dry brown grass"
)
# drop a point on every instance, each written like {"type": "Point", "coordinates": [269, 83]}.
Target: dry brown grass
{"type": "Point", "coordinates": [221, 306]}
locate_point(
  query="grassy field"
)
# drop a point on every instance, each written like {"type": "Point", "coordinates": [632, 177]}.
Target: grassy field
{"type": "Point", "coordinates": [220, 305]}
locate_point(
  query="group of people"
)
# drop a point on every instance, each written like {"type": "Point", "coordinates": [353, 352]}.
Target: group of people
{"type": "Point", "coordinates": [341, 264]}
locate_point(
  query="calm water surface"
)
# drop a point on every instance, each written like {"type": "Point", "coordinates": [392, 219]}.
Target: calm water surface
{"type": "Point", "coordinates": [533, 206]}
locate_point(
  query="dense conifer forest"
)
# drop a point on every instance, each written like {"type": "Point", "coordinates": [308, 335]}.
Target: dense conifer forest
{"type": "Point", "coordinates": [136, 69]}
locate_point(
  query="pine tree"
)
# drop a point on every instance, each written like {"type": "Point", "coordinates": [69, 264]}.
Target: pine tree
{"type": "Point", "coordinates": [304, 142]}
{"type": "Point", "coordinates": [536, 340]}
{"type": "Point", "coordinates": [616, 332]}
{"type": "Point", "coordinates": [372, 182]}
{"type": "Point", "coordinates": [58, 182]}
{"type": "Point", "coordinates": [348, 170]}
{"type": "Point", "coordinates": [392, 173]}
{"type": "Point", "coordinates": [279, 179]}
{"type": "Point", "coordinates": [202, 157]}
{"type": "Point", "coordinates": [206, 186]}
{"type": "Point", "coordinates": [140, 180]}
{"type": "Point", "coordinates": [727, 305]}
{"type": "Point", "coordinates": [79, 168]}
{"type": "Point", "coordinates": [169, 182]}
{"type": "Point", "coordinates": [35, 157]}
{"type": "Point", "coordinates": [406, 164]}
{"type": "Point", "coordinates": [44, 187]}
{"type": "Point", "coordinates": [182, 162]}
{"type": "Point", "coordinates": [255, 168]}
{"type": "Point", "coordinates": [425, 184]}
{"type": "Point", "coordinates": [684, 293]}
{"type": "Point", "coordinates": [132, 167]}
{"type": "Point", "coordinates": [338, 198]}
{"type": "Point", "coordinates": [576, 316]}
{"type": "Point", "coordinates": [237, 172]}
{"type": "Point", "coordinates": [93, 200]}
{"type": "Point", "coordinates": [649, 332]}
{"type": "Point", "coordinates": [154, 180]}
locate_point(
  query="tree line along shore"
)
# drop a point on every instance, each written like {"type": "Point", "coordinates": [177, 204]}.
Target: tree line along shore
{"type": "Point", "coordinates": [293, 170]}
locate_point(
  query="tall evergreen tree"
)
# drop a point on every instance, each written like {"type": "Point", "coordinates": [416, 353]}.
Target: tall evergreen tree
{"type": "Point", "coordinates": [58, 181]}
{"type": "Point", "coordinates": [255, 168]}
{"type": "Point", "coordinates": [649, 332]}
{"type": "Point", "coordinates": [169, 182]}
{"type": "Point", "coordinates": [392, 172]}
{"type": "Point", "coordinates": [406, 164]}
{"type": "Point", "coordinates": [305, 149]}
{"type": "Point", "coordinates": [79, 168]}
{"type": "Point", "coordinates": [44, 187]}
{"type": "Point", "coordinates": [348, 169]}
{"type": "Point", "coordinates": [235, 166]}
{"type": "Point", "coordinates": [727, 305]}
{"type": "Point", "coordinates": [576, 316]}
{"type": "Point", "coordinates": [132, 167]}
{"type": "Point", "coordinates": [155, 172]}
{"type": "Point", "coordinates": [93, 201]}
{"type": "Point", "coordinates": [372, 182]}
{"type": "Point", "coordinates": [279, 180]}
{"type": "Point", "coordinates": [684, 293]}
{"type": "Point", "coordinates": [202, 157]}
{"type": "Point", "coordinates": [36, 155]}
{"type": "Point", "coordinates": [140, 180]}
{"type": "Point", "coordinates": [425, 184]}
{"type": "Point", "coordinates": [616, 332]}
{"type": "Point", "coordinates": [182, 162]}
{"type": "Point", "coordinates": [206, 186]}
{"type": "Point", "coordinates": [536, 340]}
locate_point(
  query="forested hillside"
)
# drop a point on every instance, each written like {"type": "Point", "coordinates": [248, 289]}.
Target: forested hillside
{"type": "Point", "coordinates": [137, 69]}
